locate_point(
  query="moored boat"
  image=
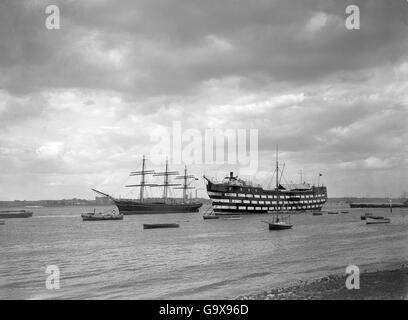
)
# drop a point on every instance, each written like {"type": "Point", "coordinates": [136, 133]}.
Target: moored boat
{"type": "Point", "coordinates": [367, 214]}
{"type": "Point", "coordinates": [317, 213]}
{"type": "Point", "coordinates": [9, 214]}
{"type": "Point", "coordinates": [162, 205]}
{"type": "Point", "coordinates": [332, 212]}
{"type": "Point", "coordinates": [210, 217]}
{"type": "Point", "coordinates": [160, 225]}
{"type": "Point", "coordinates": [371, 216]}
{"type": "Point", "coordinates": [377, 220]}
{"type": "Point", "coordinates": [100, 216]}
{"type": "Point", "coordinates": [279, 226]}
{"type": "Point", "coordinates": [279, 222]}
{"type": "Point", "coordinates": [236, 196]}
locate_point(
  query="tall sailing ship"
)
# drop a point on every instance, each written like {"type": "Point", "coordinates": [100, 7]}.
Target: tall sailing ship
{"type": "Point", "coordinates": [166, 204]}
{"type": "Point", "coordinates": [236, 196]}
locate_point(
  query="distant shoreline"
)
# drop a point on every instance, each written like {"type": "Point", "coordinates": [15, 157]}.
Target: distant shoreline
{"type": "Point", "coordinates": [389, 284]}
{"type": "Point", "coordinates": [56, 205]}
{"type": "Point", "coordinates": [101, 201]}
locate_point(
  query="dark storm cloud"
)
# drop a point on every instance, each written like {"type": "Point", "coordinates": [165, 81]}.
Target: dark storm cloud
{"type": "Point", "coordinates": [170, 47]}
{"type": "Point", "coordinates": [80, 102]}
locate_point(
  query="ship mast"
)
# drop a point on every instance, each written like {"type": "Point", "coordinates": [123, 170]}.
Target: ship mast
{"type": "Point", "coordinates": [166, 183]}
{"type": "Point", "coordinates": [186, 184]}
{"type": "Point", "coordinates": [277, 178]}
{"type": "Point", "coordinates": [143, 183]}
{"type": "Point", "coordinates": [166, 180]}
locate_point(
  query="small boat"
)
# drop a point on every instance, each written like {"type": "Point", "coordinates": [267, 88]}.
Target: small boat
{"type": "Point", "coordinates": [371, 216]}
{"type": "Point", "coordinates": [9, 214]}
{"type": "Point", "coordinates": [160, 225]}
{"type": "Point", "coordinates": [332, 212]}
{"type": "Point", "coordinates": [317, 213]}
{"type": "Point", "coordinates": [344, 211]}
{"type": "Point", "coordinates": [279, 223]}
{"type": "Point", "coordinates": [233, 218]}
{"type": "Point", "coordinates": [2, 222]}
{"type": "Point", "coordinates": [210, 216]}
{"type": "Point", "coordinates": [367, 214]}
{"type": "Point", "coordinates": [377, 220]}
{"type": "Point", "coordinates": [100, 216]}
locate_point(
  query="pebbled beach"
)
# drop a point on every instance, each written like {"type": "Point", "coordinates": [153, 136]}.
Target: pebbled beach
{"type": "Point", "coordinates": [375, 285]}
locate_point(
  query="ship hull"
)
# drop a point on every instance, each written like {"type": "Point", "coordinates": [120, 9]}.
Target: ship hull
{"type": "Point", "coordinates": [10, 214]}
{"type": "Point", "coordinates": [132, 207]}
{"type": "Point", "coordinates": [233, 200]}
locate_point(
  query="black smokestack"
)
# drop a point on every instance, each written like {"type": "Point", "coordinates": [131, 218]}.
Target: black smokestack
{"type": "Point", "coordinates": [231, 174]}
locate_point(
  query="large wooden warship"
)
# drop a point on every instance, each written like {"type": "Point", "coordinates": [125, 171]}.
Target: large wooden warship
{"type": "Point", "coordinates": [236, 196]}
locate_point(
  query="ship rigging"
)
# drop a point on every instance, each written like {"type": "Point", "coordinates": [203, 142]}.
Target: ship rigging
{"type": "Point", "coordinates": [145, 205]}
{"type": "Point", "coordinates": [236, 196]}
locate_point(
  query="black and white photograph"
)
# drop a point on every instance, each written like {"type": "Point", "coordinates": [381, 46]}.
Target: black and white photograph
{"type": "Point", "coordinates": [203, 150]}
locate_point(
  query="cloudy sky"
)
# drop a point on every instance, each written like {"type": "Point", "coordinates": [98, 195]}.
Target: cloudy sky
{"type": "Point", "coordinates": [80, 105]}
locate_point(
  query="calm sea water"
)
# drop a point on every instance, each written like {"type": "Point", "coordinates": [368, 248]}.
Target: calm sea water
{"type": "Point", "coordinates": [200, 260]}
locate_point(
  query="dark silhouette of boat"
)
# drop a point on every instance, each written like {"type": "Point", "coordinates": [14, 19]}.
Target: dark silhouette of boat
{"type": "Point", "coordinates": [371, 216]}
{"type": "Point", "coordinates": [317, 213]}
{"type": "Point", "coordinates": [210, 217]}
{"type": "Point", "coordinates": [364, 216]}
{"type": "Point", "coordinates": [332, 212]}
{"type": "Point", "coordinates": [157, 205]}
{"type": "Point", "coordinates": [101, 216]}
{"type": "Point", "coordinates": [10, 214]}
{"type": "Point", "coordinates": [377, 220]}
{"type": "Point", "coordinates": [160, 225]}
{"type": "Point", "coordinates": [279, 226]}
{"type": "Point", "coordinates": [279, 222]}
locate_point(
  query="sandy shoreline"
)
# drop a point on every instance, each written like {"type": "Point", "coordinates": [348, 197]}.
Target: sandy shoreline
{"type": "Point", "coordinates": [383, 285]}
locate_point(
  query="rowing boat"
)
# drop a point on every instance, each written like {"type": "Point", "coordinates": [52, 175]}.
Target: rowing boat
{"type": "Point", "coordinates": [209, 217]}
{"type": "Point", "coordinates": [160, 225]}
{"type": "Point", "coordinates": [377, 220]}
